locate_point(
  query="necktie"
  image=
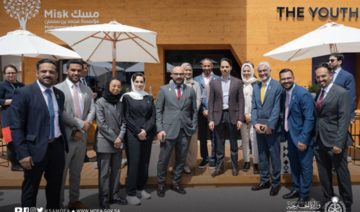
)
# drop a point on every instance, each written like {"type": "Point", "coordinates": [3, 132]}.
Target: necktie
{"type": "Point", "coordinates": [286, 112]}
{"type": "Point", "coordinates": [179, 92]}
{"type": "Point", "coordinates": [83, 81]}
{"type": "Point", "coordinates": [318, 103]}
{"type": "Point", "coordinates": [76, 101]}
{"type": "Point", "coordinates": [263, 92]}
{"type": "Point", "coordinates": [52, 114]}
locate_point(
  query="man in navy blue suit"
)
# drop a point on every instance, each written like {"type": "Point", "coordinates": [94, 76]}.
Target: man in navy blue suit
{"type": "Point", "coordinates": [39, 136]}
{"type": "Point", "coordinates": [265, 113]}
{"type": "Point", "coordinates": [298, 123]}
{"type": "Point", "coordinates": [343, 79]}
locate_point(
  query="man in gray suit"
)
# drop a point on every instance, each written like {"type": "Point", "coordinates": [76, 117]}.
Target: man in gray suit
{"type": "Point", "coordinates": [176, 122]}
{"type": "Point", "coordinates": [332, 139]}
{"type": "Point", "coordinates": [79, 112]}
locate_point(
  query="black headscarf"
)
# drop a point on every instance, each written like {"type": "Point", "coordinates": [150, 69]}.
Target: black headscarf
{"type": "Point", "coordinates": [108, 96]}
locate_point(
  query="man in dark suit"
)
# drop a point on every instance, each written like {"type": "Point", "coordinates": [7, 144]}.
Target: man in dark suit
{"type": "Point", "coordinates": [176, 122]}
{"type": "Point", "coordinates": [343, 79]}
{"type": "Point", "coordinates": [298, 127]}
{"type": "Point", "coordinates": [226, 111]}
{"type": "Point", "coordinates": [39, 136]}
{"type": "Point", "coordinates": [265, 115]}
{"type": "Point", "coordinates": [205, 80]}
{"type": "Point", "coordinates": [332, 139]}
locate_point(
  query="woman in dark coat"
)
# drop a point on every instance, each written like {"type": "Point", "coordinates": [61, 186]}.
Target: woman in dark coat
{"type": "Point", "coordinates": [7, 89]}
{"type": "Point", "coordinates": [139, 112]}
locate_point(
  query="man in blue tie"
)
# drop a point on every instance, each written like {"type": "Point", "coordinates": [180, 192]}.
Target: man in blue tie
{"type": "Point", "coordinates": [298, 120]}
{"type": "Point", "coordinates": [39, 135]}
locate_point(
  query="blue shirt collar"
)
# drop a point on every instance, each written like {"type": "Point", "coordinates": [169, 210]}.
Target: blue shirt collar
{"type": "Point", "coordinates": [181, 86]}
{"type": "Point", "coordinates": [267, 81]}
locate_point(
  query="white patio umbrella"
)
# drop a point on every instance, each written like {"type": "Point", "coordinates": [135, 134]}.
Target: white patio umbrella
{"type": "Point", "coordinates": [25, 44]}
{"type": "Point", "coordinates": [327, 39]}
{"type": "Point", "coordinates": [110, 42]}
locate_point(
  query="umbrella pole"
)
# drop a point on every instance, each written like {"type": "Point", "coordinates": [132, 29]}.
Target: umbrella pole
{"type": "Point", "coordinates": [114, 56]}
{"type": "Point", "coordinates": [22, 69]}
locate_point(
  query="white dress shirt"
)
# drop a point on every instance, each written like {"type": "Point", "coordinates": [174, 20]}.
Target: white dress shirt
{"type": "Point", "coordinates": [267, 82]}
{"type": "Point", "coordinates": [80, 94]}
{"type": "Point", "coordinates": [327, 89]}
{"type": "Point", "coordinates": [225, 85]}
{"type": "Point", "coordinates": [336, 73]}
{"type": "Point", "coordinates": [56, 107]}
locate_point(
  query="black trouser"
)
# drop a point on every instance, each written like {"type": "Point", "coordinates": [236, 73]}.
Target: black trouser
{"type": "Point", "coordinates": [220, 141]}
{"type": "Point", "coordinates": [12, 155]}
{"type": "Point", "coordinates": [138, 158]}
{"type": "Point", "coordinates": [203, 126]}
{"type": "Point", "coordinates": [53, 165]}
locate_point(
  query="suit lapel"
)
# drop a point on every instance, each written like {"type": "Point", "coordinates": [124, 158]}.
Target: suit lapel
{"type": "Point", "coordinates": [183, 96]}
{"type": "Point", "coordinates": [338, 76]}
{"type": "Point", "coordinates": [328, 97]}
{"type": "Point", "coordinates": [267, 91]}
{"type": "Point", "coordinates": [230, 87]}
{"type": "Point", "coordinates": [67, 93]}
{"type": "Point", "coordinates": [38, 92]}
{"type": "Point", "coordinates": [113, 110]}
{"type": "Point", "coordinates": [82, 88]}
{"type": "Point", "coordinates": [293, 98]}
{"type": "Point", "coordinates": [172, 91]}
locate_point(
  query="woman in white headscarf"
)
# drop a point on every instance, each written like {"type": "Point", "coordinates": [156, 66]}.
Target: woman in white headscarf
{"type": "Point", "coordinates": [139, 113]}
{"type": "Point", "coordinates": [247, 130]}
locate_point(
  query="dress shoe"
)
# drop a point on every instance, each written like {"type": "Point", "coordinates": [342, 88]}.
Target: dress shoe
{"type": "Point", "coordinates": [291, 195]}
{"type": "Point", "coordinates": [143, 194]}
{"type": "Point", "coordinates": [260, 186]}
{"type": "Point", "coordinates": [76, 205]}
{"type": "Point", "coordinates": [274, 190]}
{"type": "Point", "coordinates": [212, 165]}
{"type": "Point", "coordinates": [256, 169]}
{"type": "Point", "coordinates": [203, 164]}
{"type": "Point", "coordinates": [161, 191]}
{"type": "Point", "coordinates": [235, 172]}
{"type": "Point", "coordinates": [246, 167]}
{"type": "Point", "coordinates": [118, 200]}
{"type": "Point", "coordinates": [240, 147]}
{"type": "Point", "coordinates": [302, 202]}
{"type": "Point", "coordinates": [133, 200]}
{"type": "Point", "coordinates": [187, 170]}
{"type": "Point", "coordinates": [104, 204]}
{"type": "Point", "coordinates": [177, 189]}
{"type": "Point", "coordinates": [17, 168]}
{"type": "Point", "coordinates": [217, 172]}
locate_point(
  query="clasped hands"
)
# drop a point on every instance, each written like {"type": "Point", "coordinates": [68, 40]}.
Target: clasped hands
{"type": "Point", "coordinates": [212, 125]}
{"type": "Point", "coordinates": [78, 134]}
{"type": "Point", "coordinates": [117, 143]}
{"type": "Point", "coordinates": [263, 129]}
{"type": "Point", "coordinates": [142, 135]}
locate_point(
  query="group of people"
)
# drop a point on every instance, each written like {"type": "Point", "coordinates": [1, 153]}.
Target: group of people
{"type": "Point", "coordinates": [49, 120]}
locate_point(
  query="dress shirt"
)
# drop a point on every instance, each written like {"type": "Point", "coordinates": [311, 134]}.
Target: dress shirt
{"type": "Point", "coordinates": [267, 82]}
{"type": "Point", "coordinates": [207, 79]}
{"type": "Point", "coordinates": [56, 107]}
{"type": "Point", "coordinates": [290, 92]}
{"type": "Point", "coordinates": [335, 73]}
{"type": "Point", "coordinates": [327, 89]}
{"type": "Point", "coordinates": [176, 88]}
{"type": "Point", "coordinates": [225, 85]}
{"type": "Point", "coordinates": [79, 94]}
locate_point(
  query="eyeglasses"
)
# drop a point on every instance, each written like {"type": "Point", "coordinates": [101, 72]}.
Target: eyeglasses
{"type": "Point", "coordinates": [331, 60]}
{"type": "Point", "coordinates": [178, 74]}
{"type": "Point", "coordinates": [11, 73]}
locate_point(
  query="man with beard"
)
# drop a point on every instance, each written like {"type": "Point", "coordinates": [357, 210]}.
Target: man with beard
{"type": "Point", "coordinates": [176, 122]}
{"type": "Point", "coordinates": [298, 121]}
{"type": "Point", "coordinates": [331, 135]}
{"type": "Point", "coordinates": [39, 136]}
{"type": "Point", "coordinates": [204, 81]}
{"type": "Point", "coordinates": [79, 112]}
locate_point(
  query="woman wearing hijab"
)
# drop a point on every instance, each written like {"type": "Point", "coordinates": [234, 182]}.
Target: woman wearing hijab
{"type": "Point", "coordinates": [108, 145]}
{"type": "Point", "coordinates": [139, 112]}
{"type": "Point", "coordinates": [7, 89]}
{"type": "Point", "coordinates": [247, 130]}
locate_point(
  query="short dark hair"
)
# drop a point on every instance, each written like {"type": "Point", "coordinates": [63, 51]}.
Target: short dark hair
{"type": "Point", "coordinates": [323, 65]}
{"type": "Point", "coordinates": [45, 61]}
{"type": "Point", "coordinates": [338, 56]}
{"type": "Point", "coordinates": [74, 61]}
{"type": "Point", "coordinates": [137, 75]}
{"type": "Point", "coordinates": [286, 70]}
{"type": "Point", "coordinates": [10, 66]}
{"type": "Point", "coordinates": [226, 60]}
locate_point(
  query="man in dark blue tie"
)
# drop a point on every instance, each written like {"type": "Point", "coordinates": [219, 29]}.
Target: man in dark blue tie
{"type": "Point", "coordinates": [39, 136]}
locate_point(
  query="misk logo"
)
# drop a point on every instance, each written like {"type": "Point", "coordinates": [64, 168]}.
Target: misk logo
{"type": "Point", "coordinates": [26, 209]}
{"type": "Point", "coordinates": [22, 10]}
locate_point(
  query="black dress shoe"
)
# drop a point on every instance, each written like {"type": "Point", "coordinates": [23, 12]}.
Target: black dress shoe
{"type": "Point", "coordinates": [104, 204]}
{"type": "Point", "coordinates": [217, 172]}
{"type": "Point", "coordinates": [246, 167]}
{"type": "Point", "coordinates": [302, 202]}
{"type": "Point", "coordinates": [161, 191]}
{"type": "Point", "coordinates": [17, 168]}
{"type": "Point", "coordinates": [260, 186]}
{"type": "Point", "coordinates": [212, 165]}
{"type": "Point", "coordinates": [118, 200]}
{"type": "Point", "coordinates": [235, 172]}
{"type": "Point", "coordinates": [291, 195]}
{"type": "Point", "coordinates": [177, 189]}
{"type": "Point", "coordinates": [274, 190]}
{"type": "Point", "coordinates": [203, 164]}
{"type": "Point", "coordinates": [256, 169]}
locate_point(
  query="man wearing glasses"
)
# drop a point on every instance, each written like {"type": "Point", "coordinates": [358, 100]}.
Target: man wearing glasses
{"type": "Point", "coordinates": [343, 79]}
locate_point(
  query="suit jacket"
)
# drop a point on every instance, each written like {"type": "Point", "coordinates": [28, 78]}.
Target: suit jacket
{"type": "Point", "coordinates": [172, 113]}
{"type": "Point", "coordinates": [270, 109]}
{"type": "Point", "coordinates": [346, 80]}
{"type": "Point", "coordinates": [199, 79]}
{"type": "Point", "coordinates": [236, 101]}
{"type": "Point", "coordinates": [71, 122]}
{"type": "Point", "coordinates": [333, 118]}
{"type": "Point", "coordinates": [30, 127]}
{"type": "Point", "coordinates": [110, 125]}
{"type": "Point", "coordinates": [301, 116]}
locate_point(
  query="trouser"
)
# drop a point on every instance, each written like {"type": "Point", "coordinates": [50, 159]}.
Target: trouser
{"type": "Point", "coordinates": [225, 123]}
{"type": "Point", "coordinates": [248, 133]}
{"type": "Point", "coordinates": [203, 125]}
{"type": "Point", "coordinates": [181, 145]}
{"type": "Point", "coordinates": [109, 166]}
{"type": "Point", "coordinates": [53, 165]}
